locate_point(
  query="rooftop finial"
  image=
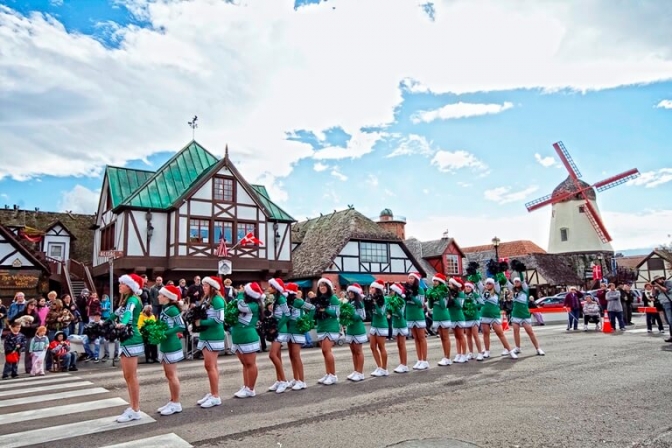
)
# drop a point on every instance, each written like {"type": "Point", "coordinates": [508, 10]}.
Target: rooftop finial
{"type": "Point", "coordinates": [193, 125]}
{"type": "Point", "coordinates": [226, 151]}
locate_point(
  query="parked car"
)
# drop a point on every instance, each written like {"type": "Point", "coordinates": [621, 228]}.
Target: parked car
{"type": "Point", "coordinates": [551, 301]}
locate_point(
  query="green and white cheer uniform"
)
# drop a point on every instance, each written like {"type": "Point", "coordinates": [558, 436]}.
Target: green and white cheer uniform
{"type": "Point", "coordinates": [170, 350]}
{"type": "Point", "coordinates": [521, 307]}
{"type": "Point", "coordinates": [437, 297]}
{"type": "Point", "coordinates": [298, 308]}
{"type": "Point", "coordinates": [356, 333]}
{"type": "Point", "coordinates": [328, 327]}
{"type": "Point", "coordinates": [399, 324]}
{"type": "Point", "coordinates": [281, 314]}
{"type": "Point", "coordinates": [455, 310]}
{"type": "Point", "coordinates": [490, 313]}
{"type": "Point", "coordinates": [471, 309]}
{"type": "Point", "coordinates": [129, 314]}
{"type": "Point", "coordinates": [379, 325]}
{"type": "Point", "coordinates": [212, 336]}
{"type": "Point", "coordinates": [415, 309]}
{"type": "Point", "coordinates": [244, 336]}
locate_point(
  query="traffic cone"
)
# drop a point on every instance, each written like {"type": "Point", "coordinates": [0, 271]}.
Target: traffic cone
{"type": "Point", "coordinates": [606, 324]}
{"type": "Point", "coordinates": [505, 322]}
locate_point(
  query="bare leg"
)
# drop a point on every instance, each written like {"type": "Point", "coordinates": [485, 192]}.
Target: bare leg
{"type": "Point", "coordinates": [516, 335]}
{"type": "Point", "coordinates": [173, 382]}
{"type": "Point", "coordinates": [485, 328]}
{"type": "Point", "coordinates": [444, 334]}
{"type": "Point", "coordinates": [329, 362]}
{"type": "Point", "coordinates": [417, 342]}
{"type": "Point", "coordinates": [477, 339]}
{"type": "Point", "coordinates": [275, 354]}
{"type": "Point", "coordinates": [357, 357]}
{"type": "Point", "coordinates": [295, 359]}
{"type": "Point", "coordinates": [210, 363]}
{"type": "Point", "coordinates": [530, 333]}
{"type": "Point", "coordinates": [373, 343]}
{"type": "Point", "coordinates": [383, 351]}
{"type": "Point", "coordinates": [500, 334]}
{"type": "Point", "coordinates": [401, 345]}
{"type": "Point", "coordinates": [129, 366]}
{"type": "Point", "coordinates": [250, 365]}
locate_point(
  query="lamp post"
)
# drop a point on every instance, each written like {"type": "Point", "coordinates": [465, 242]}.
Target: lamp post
{"type": "Point", "coordinates": [495, 244]}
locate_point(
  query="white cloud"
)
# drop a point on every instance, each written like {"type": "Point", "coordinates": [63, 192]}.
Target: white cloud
{"type": "Point", "coordinates": [332, 196]}
{"type": "Point", "coordinates": [338, 175]}
{"type": "Point", "coordinates": [504, 195]}
{"type": "Point", "coordinates": [459, 110]}
{"type": "Point", "coordinates": [319, 167]}
{"type": "Point", "coordinates": [389, 193]}
{"type": "Point", "coordinates": [449, 162]}
{"type": "Point", "coordinates": [464, 184]}
{"type": "Point", "coordinates": [652, 179]}
{"type": "Point", "coordinates": [412, 144]}
{"type": "Point", "coordinates": [372, 180]}
{"type": "Point", "coordinates": [263, 65]}
{"type": "Point", "coordinates": [4, 196]}
{"type": "Point", "coordinates": [79, 200]}
{"type": "Point", "coordinates": [665, 104]}
{"type": "Point", "coordinates": [545, 161]}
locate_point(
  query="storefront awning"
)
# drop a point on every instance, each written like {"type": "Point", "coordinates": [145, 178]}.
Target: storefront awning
{"type": "Point", "coordinates": [362, 279]}
{"type": "Point", "coordinates": [304, 283]}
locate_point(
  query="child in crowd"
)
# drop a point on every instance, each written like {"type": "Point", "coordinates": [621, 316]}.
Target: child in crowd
{"type": "Point", "coordinates": [38, 351]}
{"type": "Point", "coordinates": [151, 350]}
{"type": "Point", "coordinates": [15, 343]}
{"type": "Point", "coordinates": [60, 352]}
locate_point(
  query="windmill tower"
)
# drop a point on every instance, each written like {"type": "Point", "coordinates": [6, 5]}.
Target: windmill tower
{"type": "Point", "coordinates": [576, 224]}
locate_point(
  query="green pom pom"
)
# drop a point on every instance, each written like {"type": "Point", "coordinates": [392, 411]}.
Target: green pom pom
{"type": "Point", "coordinates": [436, 293]}
{"type": "Point", "coordinates": [154, 332]}
{"type": "Point", "coordinates": [347, 314]}
{"type": "Point", "coordinates": [231, 313]}
{"type": "Point", "coordinates": [469, 309]}
{"type": "Point", "coordinates": [474, 278]}
{"type": "Point", "coordinates": [501, 278]}
{"type": "Point", "coordinates": [304, 323]}
{"type": "Point", "coordinates": [395, 304]}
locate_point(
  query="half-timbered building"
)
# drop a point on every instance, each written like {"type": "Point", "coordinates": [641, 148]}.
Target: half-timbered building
{"type": "Point", "coordinates": [658, 262]}
{"type": "Point", "coordinates": [170, 222]}
{"type": "Point", "coordinates": [347, 247]}
{"type": "Point", "coordinates": [442, 255]}
{"type": "Point", "coordinates": [20, 268]}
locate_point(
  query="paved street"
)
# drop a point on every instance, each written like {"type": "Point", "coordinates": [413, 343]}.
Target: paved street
{"type": "Point", "coordinates": [590, 390]}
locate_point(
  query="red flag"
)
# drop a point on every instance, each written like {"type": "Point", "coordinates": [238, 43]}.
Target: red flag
{"type": "Point", "coordinates": [597, 272]}
{"type": "Point", "coordinates": [222, 251]}
{"type": "Point", "coordinates": [251, 240]}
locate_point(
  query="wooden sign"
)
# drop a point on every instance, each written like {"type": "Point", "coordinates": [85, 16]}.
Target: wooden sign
{"type": "Point", "coordinates": [19, 280]}
{"type": "Point", "coordinates": [111, 253]}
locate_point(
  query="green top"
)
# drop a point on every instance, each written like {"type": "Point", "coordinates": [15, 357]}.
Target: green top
{"type": "Point", "coordinates": [398, 317]}
{"type": "Point", "coordinates": [455, 308]}
{"type": "Point", "coordinates": [471, 307]}
{"type": "Point", "coordinates": [245, 330]}
{"type": "Point", "coordinates": [357, 328]}
{"type": "Point", "coordinates": [131, 313]}
{"type": "Point", "coordinates": [437, 298]}
{"type": "Point", "coordinates": [213, 326]}
{"type": "Point", "coordinates": [521, 305]}
{"type": "Point", "coordinates": [281, 313]}
{"type": "Point", "coordinates": [330, 323]}
{"type": "Point", "coordinates": [379, 316]}
{"type": "Point", "coordinates": [491, 308]}
{"type": "Point", "coordinates": [415, 311]}
{"type": "Point", "coordinates": [299, 308]}
{"type": "Point", "coordinates": [173, 318]}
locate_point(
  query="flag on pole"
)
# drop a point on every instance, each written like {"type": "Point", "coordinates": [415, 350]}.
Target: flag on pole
{"type": "Point", "coordinates": [222, 251]}
{"type": "Point", "coordinates": [251, 240]}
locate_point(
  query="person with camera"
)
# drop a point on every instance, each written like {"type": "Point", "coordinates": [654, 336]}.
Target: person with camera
{"type": "Point", "coordinates": [663, 293]}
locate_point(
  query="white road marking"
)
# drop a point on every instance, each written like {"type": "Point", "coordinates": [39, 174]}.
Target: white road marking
{"type": "Point", "coordinates": [49, 397]}
{"type": "Point", "coordinates": [32, 390]}
{"type": "Point", "coordinates": [24, 416]}
{"type": "Point", "coordinates": [41, 380]}
{"type": "Point", "coordinates": [171, 440]}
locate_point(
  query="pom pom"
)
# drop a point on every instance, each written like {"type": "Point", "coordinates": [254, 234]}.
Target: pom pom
{"type": "Point", "coordinates": [347, 314]}
{"type": "Point", "coordinates": [472, 268]}
{"type": "Point", "coordinates": [231, 313]}
{"type": "Point", "coordinates": [305, 323]}
{"type": "Point", "coordinates": [474, 278]}
{"type": "Point", "coordinates": [517, 266]}
{"type": "Point", "coordinates": [154, 331]}
{"type": "Point", "coordinates": [436, 293]}
{"type": "Point", "coordinates": [395, 304]}
{"type": "Point", "coordinates": [469, 309]}
{"type": "Point", "coordinates": [503, 266]}
{"type": "Point", "coordinates": [492, 267]}
{"type": "Point", "coordinates": [501, 278]}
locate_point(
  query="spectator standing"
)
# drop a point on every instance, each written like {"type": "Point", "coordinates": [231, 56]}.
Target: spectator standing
{"type": "Point", "coordinates": [602, 296]}
{"type": "Point", "coordinates": [229, 293]}
{"type": "Point", "coordinates": [650, 301]}
{"type": "Point", "coordinates": [151, 350]}
{"type": "Point", "coordinates": [16, 307]}
{"type": "Point", "coordinates": [614, 307]}
{"type": "Point", "coordinates": [154, 296]}
{"type": "Point", "coordinates": [105, 307]}
{"type": "Point", "coordinates": [537, 315]}
{"type": "Point", "coordinates": [664, 295]}
{"type": "Point", "coordinates": [38, 351]}
{"type": "Point", "coordinates": [94, 308]}
{"type": "Point", "coordinates": [3, 319]}
{"type": "Point", "coordinates": [82, 305]}
{"type": "Point", "coordinates": [573, 305]}
{"type": "Point", "coordinates": [144, 294]}
{"type": "Point", "coordinates": [14, 344]}
{"type": "Point", "coordinates": [195, 291]}
{"type": "Point", "coordinates": [43, 306]}
{"type": "Point", "coordinates": [28, 330]}
{"type": "Point", "coordinates": [627, 299]}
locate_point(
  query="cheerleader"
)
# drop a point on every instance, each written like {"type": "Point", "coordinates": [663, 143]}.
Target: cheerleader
{"type": "Point", "coordinates": [455, 299]}
{"type": "Point", "coordinates": [379, 328]}
{"type": "Point", "coordinates": [244, 337]}
{"type": "Point", "coordinates": [355, 334]}
{"type": "Point", "coordinates": [281, 315]}
{"type": "Point", "coordinates": [437, 298]}
{"type": "Point", "coordinates": [128, 313]}
{"type": "Point", "coordinates": [328, 327]}
{"type": "Point", "coordinates": [492, 318]}
{"type": "Point", "coordinates": [520, 316]}
{"type": "Point", "coordinates": [472, 317]}
{"type": "Point", "coordinates": [211, 339]}
{"type": "Point", "coordinates": [415, 318]}
{"type": "Point", "coordinates": [399, 325]}
{"type": "Point", "coordinates": [170, 350]}
{"type": "Point", "coordinates": [297, 309]}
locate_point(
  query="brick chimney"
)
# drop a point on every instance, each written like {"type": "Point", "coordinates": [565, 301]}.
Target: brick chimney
{"type": "Point", "coordinates": [393, 224]}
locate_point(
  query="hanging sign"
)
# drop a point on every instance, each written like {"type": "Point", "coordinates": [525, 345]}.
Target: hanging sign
{"type": "Point", "coordinates": [225, 267]}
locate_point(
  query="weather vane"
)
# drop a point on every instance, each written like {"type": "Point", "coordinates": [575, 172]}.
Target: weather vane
{"type": "Point", "coordinates": [193, 126]}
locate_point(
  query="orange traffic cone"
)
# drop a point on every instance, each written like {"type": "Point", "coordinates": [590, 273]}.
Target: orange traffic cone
{"type": "Point", "coordinates": [505, 322]}
{"type": "Point", "coordinates": [606, 324]}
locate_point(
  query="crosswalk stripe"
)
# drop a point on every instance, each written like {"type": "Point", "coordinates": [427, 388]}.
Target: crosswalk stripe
{"type": "Point", "coordinates": [25, 416]}
{"type": "Point", "coordinates": [51, 397]}
{"type": "Point", "coordinates": [43, 380]}
{"type": "Point", "coordinates": [36, 378]}
{"type": "Point", "coordinates": [171, 440]}
{"type": "Point", "coordinates": [70, 430]}
{"type": "Point", "coordinates": [30, 390]}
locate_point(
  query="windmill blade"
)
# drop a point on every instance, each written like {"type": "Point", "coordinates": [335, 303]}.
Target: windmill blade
{"type": "Point", "coordinates": [567, 160]}
{"type": "Point", "coordinates": [596, 222]}
{"type": "Point", "coordinates": [550, 199]}
{"type": "Point", "coordinates": [618, 179]}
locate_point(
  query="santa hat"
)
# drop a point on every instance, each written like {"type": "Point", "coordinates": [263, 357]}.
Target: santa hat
{"type": "Point", "coordinates": [517, 279]}
{"type": "Point", "coordinates": [490, 281]}
{"type": "Point", "coordinates": [455, 282]}
{"type": "Point", "coordinates": [469, 285]}
{"type": "Point", "coordinates": [356, 289]}
{"type": "Point", "coordinates": [254, 290]}
{"type": "Point", "coordinates": [378, 284]}
{"type": "Point", "coordinates": [416, 275]}
{"type": "Point", "coordinates": [291, 288]}
{"type": "Point", "coordinates": [215, 282]}
{"type": "Point", "coordinates": [398, 289]}
{"type": "Point", "coordinates": [326, 281]}
{"type": "Point", "coordinates": [133, 281]}
{"type": "Point", "coordinates": [278, 285]}
{"type": "Point", "coordinates": [172, 292]}
{"type": "Point", "coordinates": [439, 278]}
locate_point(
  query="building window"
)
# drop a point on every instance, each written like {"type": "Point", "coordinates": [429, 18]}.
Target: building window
{"type": "Point", "coordinates": [452, 265]}
{"type": "Point", "coordinates": [223, 229]}
{"type": "Point", "coordinates": [582, 209]}
{"type": "Point", "coordinates": [655, 264]}
{"type": "Point", "coordinates": [107, 235]}
{"type": "Point", "coordinates": [373, 253]}
{"type": "Point", "coordinates": [199, 231]}
{"type": "Point", "coordinates": [56, 251]}
{"type": "Point", "coordinates": [222, 189]}
{"type": "Point", "coordinates": [564, 234]}
{"type": "Point", "coordinates": [243, 228]}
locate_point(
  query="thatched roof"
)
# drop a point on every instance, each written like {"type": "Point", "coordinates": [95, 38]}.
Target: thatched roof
{"type": "Point", "coordinates": [321, 239]}
{"type": "Point", "coordinates": [78, 225]}
{"type": "Point", "coordinates": [556, 269]}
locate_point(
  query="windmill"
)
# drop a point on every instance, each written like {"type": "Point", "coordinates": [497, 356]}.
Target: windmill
{"type": "Point", "coordinates": [570, 231]}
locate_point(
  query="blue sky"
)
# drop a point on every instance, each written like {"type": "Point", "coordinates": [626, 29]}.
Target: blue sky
{"type": "Point", "coordinates": [323, 129]}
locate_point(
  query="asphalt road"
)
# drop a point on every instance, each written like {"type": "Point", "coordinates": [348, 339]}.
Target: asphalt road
{"type": "Point", "coordinates": [589, 390]}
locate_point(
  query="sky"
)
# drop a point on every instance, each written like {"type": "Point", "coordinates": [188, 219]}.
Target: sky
{"type": "Point", "coordinates": [444, 112]}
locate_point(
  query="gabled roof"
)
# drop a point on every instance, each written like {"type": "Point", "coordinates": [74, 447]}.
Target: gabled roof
{"type": "Point", "coordinates": [554, 268]}
{"type": "Point", "coordinates": [322, 239]}
{"type": "Point", "coordinates": [173, 179]}
{"type": "Point", "coordinates": [415, 246]}
{"type": "Point", "coordinates": [58, 222]}
{"type": "Point", "coordinates": [123, 182]}
{"type": "Point", "coordinates": [508, 249]}
{"type": "Point", "coordinates": [631, 261]}
{"type": "Point", "coordinates": [277, 213]}
{"type": "Point", "coordinates": [30, 255]}
{"type": "Point", "coordinates": [660, 253]}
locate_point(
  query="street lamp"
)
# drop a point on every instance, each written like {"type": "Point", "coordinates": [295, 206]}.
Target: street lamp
{"type": "Point", "coordinates": [495, 243]}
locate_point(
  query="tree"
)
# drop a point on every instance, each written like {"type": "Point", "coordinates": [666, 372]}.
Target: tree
{"type": "Point", "coordinates": [622, 275]}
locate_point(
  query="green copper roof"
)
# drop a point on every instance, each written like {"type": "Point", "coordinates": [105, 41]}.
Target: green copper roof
{"type": "Point", "coordinates": [174, 178]}
{"type": "Point", "coordinates": [277, 213]}
{"type": "Point", "coordinates": [124, 181]}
